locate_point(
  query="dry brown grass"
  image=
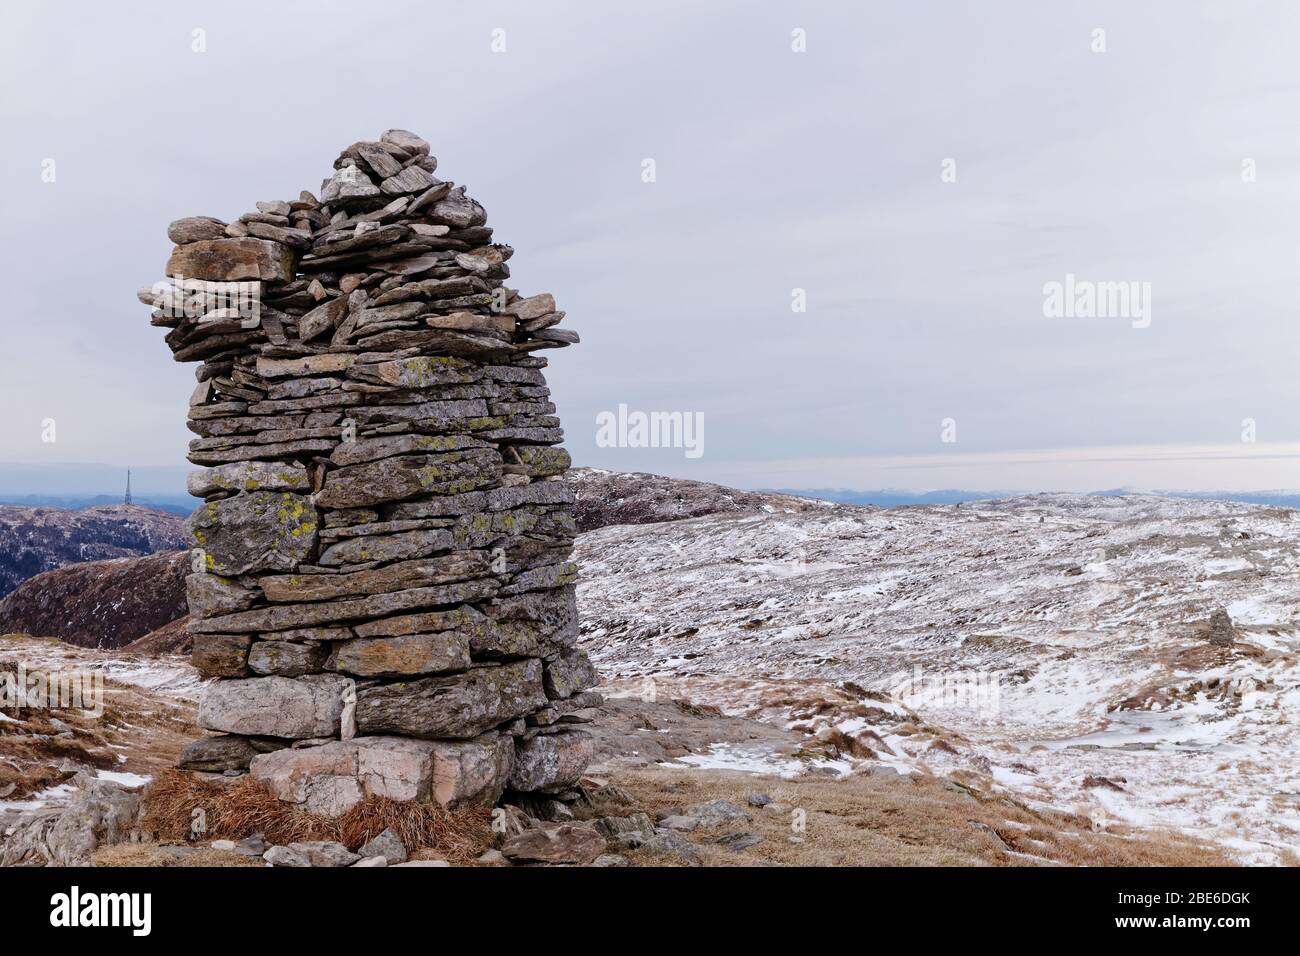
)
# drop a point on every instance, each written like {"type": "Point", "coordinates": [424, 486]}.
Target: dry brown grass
{"type": "Point", "coordinates": [243, 807]}
{"type": "Point", "coordinates": [882, 821]}
{"type": "Point", "coordinates": [151, 855]}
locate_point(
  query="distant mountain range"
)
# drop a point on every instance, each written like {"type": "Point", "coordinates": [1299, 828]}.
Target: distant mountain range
{"type": "Point", "coordinates": [181, 505]}
{"type": "Point", "coordinates": [82, 485]}
{"type": "Point", "coordinates": [85, 485]}
{"type": "Point", "coordinates": [39, 539]}
{"type": "Point", "coordinates": [895, 497]}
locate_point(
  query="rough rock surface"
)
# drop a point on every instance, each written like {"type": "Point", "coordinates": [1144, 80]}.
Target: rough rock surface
{"type": "Point", "coordinates": [551, 761]}
{"type": "Point", "coordinates": [275, 706]}
{"type": "Point", "coordinates": [556, 844]}
{"type": "Point", "coordinates": [100, 813]}
{"type": "Point", "coordinates": [331, 778]}
{"type": "Point", "coordinates": [1222, 633]}
{"type": "Point", "coordinates": [35, 540]}
{"type": "Point", "coordinates": [603, 498]}
{"type": "Point", "coordinates": [384, 541]}
{"type": "Point", "coordinates": [104, 604]}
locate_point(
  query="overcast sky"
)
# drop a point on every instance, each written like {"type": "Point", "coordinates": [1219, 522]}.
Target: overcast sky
{"type": "Point", "coordinates": [775, 170]}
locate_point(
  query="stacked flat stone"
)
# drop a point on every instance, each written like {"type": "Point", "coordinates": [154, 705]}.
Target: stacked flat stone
{"type": "Point", "coordinates": [381, 583]}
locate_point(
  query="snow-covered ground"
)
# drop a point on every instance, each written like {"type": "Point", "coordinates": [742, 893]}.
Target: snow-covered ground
{"type": "Point", "coordinates": [143, 702]}
{"type": "Point", "coordinates": [171, 676]}
{"type": "Point", "coordinates": [1052, 645]}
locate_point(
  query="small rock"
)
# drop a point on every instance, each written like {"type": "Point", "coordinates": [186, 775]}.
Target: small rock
{"type": "Point", "coordinates": [283, 856]}
{"type": "Point", "coordinates": [609, 859]}
{"type": "Point", "coordinates": [990, 832]}
{"type": "Point", "coordinates": [738, 841]}
{"type": "Point", "coordinates": [179, 852]}
{"type": "Point", "coordinates": [424, 863]}
{"type": "Point", "coordinates": [371, 861]}
{"type": "Point", "coordinates": [715, 812]}
{"type": "Point", "coordinates": [509, 821]}
{"type": "Point", "coordinates": [387, 845]}
{"type": "Point", "coordinates": [325, 853]}
{"type": "Point", "coordinates": [880, 770]}
{"type": "Point", "coordinates": [668, 843]}
{"type": "Point", "coordinates": [679, 822]}
{"type": "Point", "coordinates": [627, 832]}
{"type": "Point", "coordinates": [758, 799]}
{"type": "Point", "coordinates": [406, 140]}
{"type": "Point", "coordinates": [195, 228]}
{"type": "Point", "coordinates": [492, 857]}
{"type": "Point", "coordinates": [254, 845]}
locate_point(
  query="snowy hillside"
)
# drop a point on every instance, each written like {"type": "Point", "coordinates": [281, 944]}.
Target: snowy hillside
{"type": "Point", "coordinates": [1061, 642]}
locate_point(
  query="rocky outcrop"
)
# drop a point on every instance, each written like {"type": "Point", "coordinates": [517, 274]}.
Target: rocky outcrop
{"type": "Point", "coordinates": [101, 604]}
{"type": "Point", "coordinates": [35, 540]}
{"type": "Point", "coordinates": [603, 498]}
{"type": "Point", "coordinates": [100, 813]}
{"type": "Point", "coordinates": [380, 580]}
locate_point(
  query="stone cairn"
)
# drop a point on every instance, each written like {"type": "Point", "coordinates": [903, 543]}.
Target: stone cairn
{"type": "Point", "coordinates": [381, 579]}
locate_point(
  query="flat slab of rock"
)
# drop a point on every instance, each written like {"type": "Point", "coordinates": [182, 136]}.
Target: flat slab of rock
{"type": "Point", "coordinates": [393, 479]}
{"type": "Point", "coordinates": [565, 843]}
{"type": "Point", "coordinates": [217, 754]}
{"type": "Point", "coordinates": [457, 706]}
{"type": "Point", "coordinates": [306, 365]}
{"type": "Point", "coordinates": [285, 658]}
{"type": "Point", "coordinates": [249, 476]}
{"type": "Point", "coordinates": [300, 708]}
{"type": "Point", "coordinates": [325, 853]}
{"type": "Point", "coordinates": [422, 572]}
{"type": "Point", "coordinates": [232, 260]}
{"type": "Point", "coordinates": [403, 656]}
{"type": "Point", "coordinates": [297, 616]}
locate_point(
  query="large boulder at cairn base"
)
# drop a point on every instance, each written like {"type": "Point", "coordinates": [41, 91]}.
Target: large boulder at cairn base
{"type": "Point", "coordinates": [332, 778]}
